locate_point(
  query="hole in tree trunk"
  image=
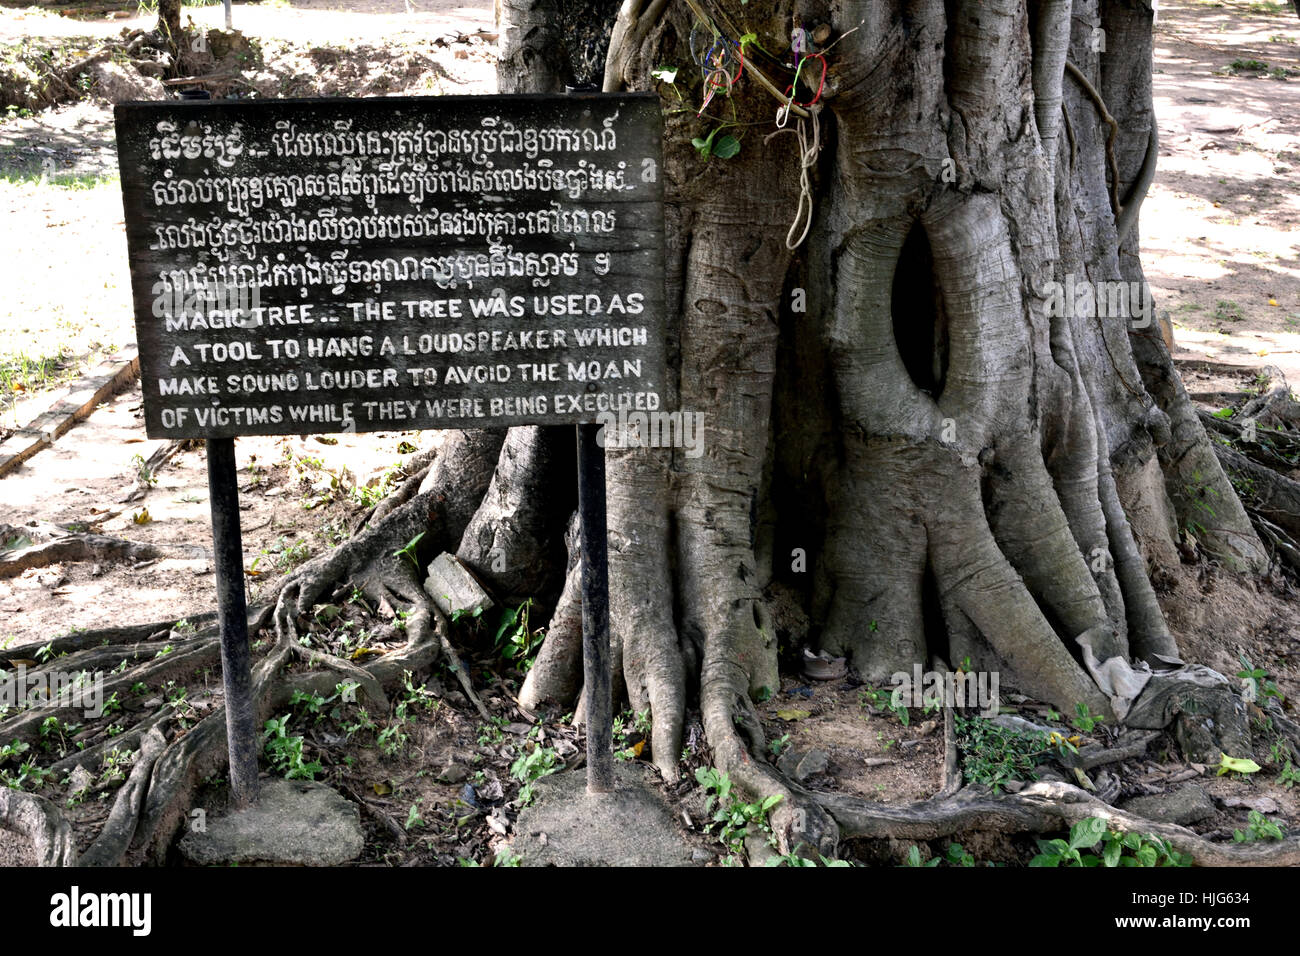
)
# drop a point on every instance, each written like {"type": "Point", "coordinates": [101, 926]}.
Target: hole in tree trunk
{"type": "Point", "coordinates": [917, 308]}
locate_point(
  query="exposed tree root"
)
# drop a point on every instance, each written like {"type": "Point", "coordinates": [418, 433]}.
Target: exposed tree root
{"type": "Point", "coordinates": [1039, 808]}
{"type": "Point", "coordinates": [38, 821]}
{"type": "Point", "coordinates": [188, 656]}
{"type": "Point", "coordinates": [129, 739]}
{"type": "Point", "coordinates": [144, 480]}
{"type": "Point", "coordinates": [188, 759]}
{"type": "Point", "coordinates": [1272, 495]}
{"type": "Point", "coordinates": [109, 848]}
{"type": "Point", "coordinates": [73, 547]}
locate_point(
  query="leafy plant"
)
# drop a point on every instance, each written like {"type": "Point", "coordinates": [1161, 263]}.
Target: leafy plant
{"type": "Point", "coordinates": [531, 766]}
{"type": "Point", "coordinates": [955, 855]}
{"type": "Point", "coordinates": [640, 724]}
{"type": "Point", "coordinates": [515, 639]}
{"type": "Point", "coordinates": [732, 818]}
{"type": "Point", "coordinates": [413, 818]}
{"type": "Point", "coordinates": [993, 755]}
{"type": "Point", "coordinates": [723, 147]}
{"type": "Point", "coordinates": [144, 474]}
{"type": "Point", "coordinates": [1258, 827]}
{"type": "Point", "coordinates": [1288, 776]}
{"type": "Point", "coordinates": [116, 763]}
{"type": "Point", "coordinates": [507, 857]}
{"type": "Point", "coordinates": [285, 752]}
{"type": "Point", "coordinates": [875, 699]}
{"type": "Point", "coordinates": [1258, 686]}
{"type": "Point", "coordinates": [55, 733]}
{"type": "Point", "coordinates": [15, 748]}
{"type": "Point", "coordinates": [409, 550]}
{"type": "Point", "coordinates": [1084, 721]}
{"type": "Point", "coordinates": [1117, 849]}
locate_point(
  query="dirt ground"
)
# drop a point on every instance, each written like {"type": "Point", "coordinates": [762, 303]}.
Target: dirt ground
{"type": "Point", "coordinates": [1221, 226]}
{"type": "Point", "coordinates": [1221, 248]}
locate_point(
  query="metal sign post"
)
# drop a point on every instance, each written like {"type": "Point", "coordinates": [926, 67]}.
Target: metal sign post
{"type": "Point", "coordinates": [236, 657]}
{"type": "Point", "coordinates": [595, 611]}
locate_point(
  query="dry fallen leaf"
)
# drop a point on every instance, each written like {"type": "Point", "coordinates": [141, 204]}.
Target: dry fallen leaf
{"type": "Point", "coordinates": [793, 714]}
{"type": "Point", "coordinates": [142, 516]}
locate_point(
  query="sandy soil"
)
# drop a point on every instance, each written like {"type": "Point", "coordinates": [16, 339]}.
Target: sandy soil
{"type": "Point", "coordinates": [1221, 226]}
{"type": "Point", "coordinates": [305, 21]}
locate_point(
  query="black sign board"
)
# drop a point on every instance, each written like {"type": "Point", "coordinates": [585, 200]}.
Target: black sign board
{"type": "Point", "coordinates": [310, 266]}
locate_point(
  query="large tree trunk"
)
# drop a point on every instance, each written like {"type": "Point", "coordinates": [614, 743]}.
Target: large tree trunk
{"type": "Point", "coordinates": [978, 452]}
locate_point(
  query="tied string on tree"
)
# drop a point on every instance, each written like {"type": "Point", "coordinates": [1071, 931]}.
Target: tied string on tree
{"type": "Point", "coordinates": [720, 67]}
{"type": "Point", "coordinates": [809, 146]}
{"type": "Point", "coordinates": [721, 41]}
{"type": "Point", "coordinates": [722, 62]}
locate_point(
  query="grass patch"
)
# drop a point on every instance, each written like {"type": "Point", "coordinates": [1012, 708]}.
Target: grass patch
{"type": "Point", "coordinates": [60, 180]}
{"type": "Point", "coordinates": [1248, 66]}
{"type": "Point", "coordinates": [23, 374]}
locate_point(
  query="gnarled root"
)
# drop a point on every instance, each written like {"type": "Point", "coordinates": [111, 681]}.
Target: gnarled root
{"type": "Point", "coordinates": [38, 821]}
{"type": "Point", "coordinates": [1039, 808]}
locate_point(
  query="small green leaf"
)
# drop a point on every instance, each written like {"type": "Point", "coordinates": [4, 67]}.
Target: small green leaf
{"type": "Point", "coordinates": [1237, 765]}
{"type": "Point", "coordinates": [1087, 832]}
{"type": "Point", "coordinates": [1111, 854]}
{"type": "Point", "coordinates": [726, 147]}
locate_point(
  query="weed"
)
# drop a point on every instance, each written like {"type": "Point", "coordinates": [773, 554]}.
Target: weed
{"type": "Point", "coordinates": [1258, 827]}
{"type": "Point", "coordinates": [955, 855]}
{"type": "Point", "coordinates": [115, 766]}
{"type": "Point", "coordinates": [515, 639]}
{"type": "Point", "coordinates": [530, 767]}
{"type": "Point", "coordinates": [873, 700]}
{"type": "Point", "coordinates": [285, 753]}
{"type": "Point", "coordinates": [1118, 849]}
{"type": "Point", "coordinates": [410, 551]}
{"type": "Point", "coordinates": [413, 818]}
{"type": "Point", "coordinates": [730, 817]}
{"type": "Point", "coordinates": [1084, 722]}
{"type": "Point", "coordinates": [1258, 686]}
{"type": "Point", "coordinates": [1288, 776]}
{"type": "Point", "coordinates": [1248, 66]}
{"type": "Point", "coordinates": [993, 755]}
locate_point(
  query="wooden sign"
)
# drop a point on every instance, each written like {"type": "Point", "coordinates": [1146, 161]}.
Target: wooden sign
{"type": "Point", "coordinates": [311, 266]}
